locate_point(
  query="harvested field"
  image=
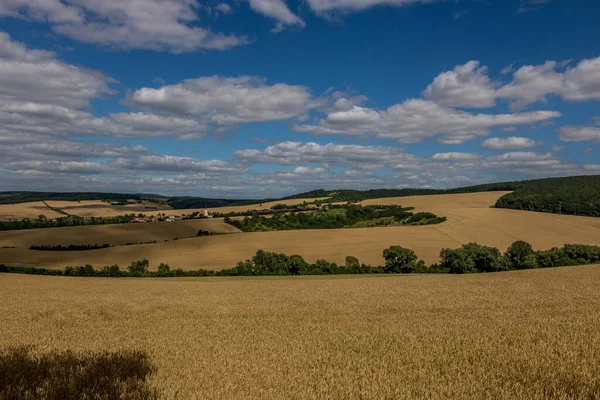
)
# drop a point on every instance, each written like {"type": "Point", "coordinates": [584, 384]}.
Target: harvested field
{"type": "Point", "coordinates": [26, 210]}
{"type": "Point", "coordinates": [525, 334]}
{"type": "Point", "coordinates": [470, 219]}
{"type": "Point", "coordinates": [115, 235]}
{"type": "Point", "coordinates": [261, 206]}
{"type": "Point", "coordinates": [97, 208]}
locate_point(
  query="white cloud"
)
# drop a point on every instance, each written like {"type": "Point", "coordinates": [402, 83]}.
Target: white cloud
{"type": "Point", "coordinates": [579, 133]}
{"type": "Point", "coordinates": [469, 86]}
{"type": "Point", "coordinates": [225, 101]}
{"type": "Point", "coordinates": [465, 86]}
{"type": "Point", "coordinates": [299, 153]}
{"type": "Point", "coordinates": [149, 24]}
{"type": "Point", "coordinates": [327, 6]}
{"type": "Point", "coordinates": [532, 84]}
{"type": "Point", "coordinates": [415, 120]}
{"type": "Point", "coordinates": [454, 156]}
{"type": "Point", "coordinates": [508, 143]}
{"type": "Point", "coordinates": [583, 81]}
{"type": "Point", "coordinates": [592, 167]}
{"type": "Point", "coordinates": [224, 8]}
{"type": "Point", "coordinates": [278, 10]}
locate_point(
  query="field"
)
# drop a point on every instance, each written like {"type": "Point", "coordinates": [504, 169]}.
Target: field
{"type": "Point", "coordinates": [525, 334]}
{"type": "Point", "coordinates": [97, 208]}
{"type": "Point", "coordinates": [470, 219]}
{"type": "Point", "coordinates": [26, 210]}
{"type": "Point", "coordinates": [115, 235]}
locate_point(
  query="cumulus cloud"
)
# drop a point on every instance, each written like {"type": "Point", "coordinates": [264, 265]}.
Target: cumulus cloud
{"type": "Point", "coordinates": [300, 153]}
{"type": "Point", "coordinates": [328, 6]}
{"type": "Point", "coordinates": [278, 10]}
{"type": "Point", "coordinates": [150, 24]}
{"type": "Point", "coordinates": [225, 101]}
{"type": "Point", "coordinates": [455, 156]}
{"type": "Point", "coordinates": [508, 143]}
{"type": "Point", "coordinates": [469, 86]}
{"type": "Point", "coordinates": [465, 86]}
{"type": "Point", "coordinates": [532, 84]}
{"type": "Point", "coordinates": [579, 133]}
{"type": "Point", "coordinates": [415, 120]}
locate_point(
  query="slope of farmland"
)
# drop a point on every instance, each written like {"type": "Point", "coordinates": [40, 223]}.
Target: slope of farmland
{"type": "Point", "coordinates": [26, 210]}
{"type": "Point", "coordinates": [470, 219]}
{"type": "Point", "coordinates": [115, 235]}
{"type": "Point", "coordinates": [511, 335]}
{"type": "Point", "coordinates": [97, 208]}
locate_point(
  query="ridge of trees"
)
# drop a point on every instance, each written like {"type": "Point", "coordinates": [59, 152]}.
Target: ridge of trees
{"type": "Point", "coordinates": [575, 195]}
{"type": "Point", "coordinates": [469, 258]}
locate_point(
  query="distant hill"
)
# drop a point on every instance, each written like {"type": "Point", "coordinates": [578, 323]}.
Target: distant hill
{"type": "Point", "coordinates": [25, 197]}
{"type": "Point", "coordinates": [575, 195]}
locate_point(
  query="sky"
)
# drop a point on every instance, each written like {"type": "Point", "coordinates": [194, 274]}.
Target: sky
{"type": "Point", "coordinates": [267, 98]}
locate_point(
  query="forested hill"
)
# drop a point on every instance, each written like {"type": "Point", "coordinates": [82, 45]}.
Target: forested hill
{"type": "Point", "coordinates": [358, 195]}
{"type": "Point", "coordinates": [576, 195]}
{"type": "Point", "coordinates": [15, 197]}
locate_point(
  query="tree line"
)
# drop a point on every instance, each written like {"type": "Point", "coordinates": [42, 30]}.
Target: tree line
{"type": "Point", "coordinates": [575, 195]}
{"type": "Point", "coordinates": [70, 247]}
{"type": "Point", "coordinates": [469, 258]}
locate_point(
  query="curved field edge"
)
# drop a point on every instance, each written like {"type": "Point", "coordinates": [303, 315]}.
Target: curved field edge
{"type": "Point", "coordinates": [523, 334]}
{"type": "Point", "coordinates": [470, 219]}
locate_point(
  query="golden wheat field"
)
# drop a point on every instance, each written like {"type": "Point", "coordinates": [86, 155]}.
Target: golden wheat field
{"type": "Point", "coordinates": [115, 235]}
{"type": "Point", "coordinates": [97, 208]}
{"type": "Point", "coordinates": [26, 210]}
{"type": "Point", "coordinates": [470, 219]}
{"type": "Point", "coordinates": [531, 334]}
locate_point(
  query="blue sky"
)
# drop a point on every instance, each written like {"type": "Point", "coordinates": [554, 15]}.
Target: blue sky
{"type": "Point", "coordinates": [260, 98]}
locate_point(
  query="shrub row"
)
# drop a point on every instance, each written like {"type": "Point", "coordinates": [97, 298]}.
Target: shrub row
{"type": "Point", "coordinates": [71, 247]}
{"type": "Point", "coordinates": [470, 258]}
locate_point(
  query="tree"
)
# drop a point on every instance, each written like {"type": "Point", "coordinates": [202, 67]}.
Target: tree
{"type": "Point", "coordinates": [457, 261]}
{"type": "Point", "coordinates": [352, 263]}
{"type": "Point", "coordinates": [139, 268]}
{"type": "Point", "coordinates": [517, 255]}
{"type": "Point", "coordinates": [164, 269]}
{"type": "Point", "coordinates": [399, 259]}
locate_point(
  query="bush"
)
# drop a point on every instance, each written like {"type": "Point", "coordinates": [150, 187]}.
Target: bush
{"type": "Point", "coordinates": [399, 260]}
{"type": "Point", "coordinates": [139, 268]}
{"type": "Point", "coordinates": [457, 261]}
{"type": "Point", "coordinates": [3, 268]}
{"type": "Point", "coordinates": [518, 254]}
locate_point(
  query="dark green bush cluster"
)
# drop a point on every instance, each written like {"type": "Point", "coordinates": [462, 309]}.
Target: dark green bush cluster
{"type": "Point", "coordinates": [424, 218]}
{"type": "Point", "coordinates": [71, 247]}
{"type": "Point", "coordinates": [67, 375]}
{"type": "Point", "coordinates": [474, 257]}
{"type": "Point", "coordinates": [269, 263]}
{"type": "Point", "coordinates": [203, 233]}
{"type": "Point", "coordinates": [336, 216]}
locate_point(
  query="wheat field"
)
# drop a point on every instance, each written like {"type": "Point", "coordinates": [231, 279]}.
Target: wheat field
{"type": "Point", "coordinates": [26, 210]}
{"type": "Point", "coordinates": [531, 334]}
{"type": "Point", "coordinates": [470, 219]}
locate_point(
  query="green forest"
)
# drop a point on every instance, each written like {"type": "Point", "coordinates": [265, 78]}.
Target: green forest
{"type": "Point", "coordinates": [576, 195]}
{"type": "Point", "coordinates": [336, 216]}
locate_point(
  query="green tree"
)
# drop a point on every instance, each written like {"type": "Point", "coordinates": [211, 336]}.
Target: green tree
{"type": "Point", "coordinates": [352, 263]}
{"type": "Point", "coordinates": [139, 268]}
{"type": "Point", "coordinates": [164, 270]}
{"type": "Point", "coordinates": [517, 254]}
{"type": "Point", "coordinates": [457, 261]}
{"type": "Point", "coordinates": [399, 259]}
